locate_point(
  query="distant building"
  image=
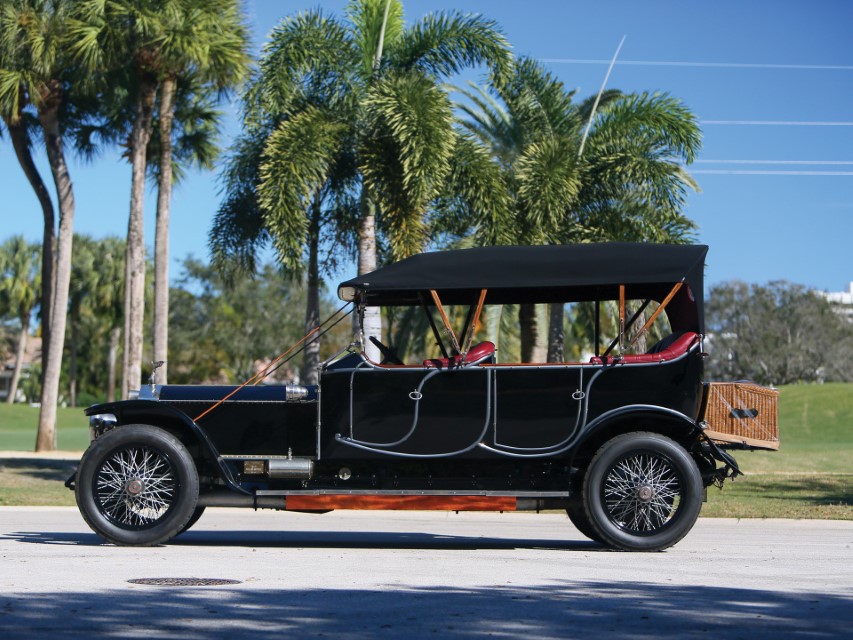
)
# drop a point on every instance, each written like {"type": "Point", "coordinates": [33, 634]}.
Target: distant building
{"type": "Point", "coordinates": [842, 301]}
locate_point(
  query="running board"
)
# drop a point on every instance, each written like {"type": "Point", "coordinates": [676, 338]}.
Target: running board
{"type": "Point", "coordinates": [316, 501]}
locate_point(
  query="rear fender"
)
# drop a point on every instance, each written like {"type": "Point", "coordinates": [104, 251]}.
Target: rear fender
{"type": "Point", "coordinates": [172, 420]}
{"type": "Point", "coordinates": [668, 422]}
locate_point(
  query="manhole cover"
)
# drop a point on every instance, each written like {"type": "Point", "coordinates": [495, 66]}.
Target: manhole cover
{"type": "Point", "coordinates": [183, 582]}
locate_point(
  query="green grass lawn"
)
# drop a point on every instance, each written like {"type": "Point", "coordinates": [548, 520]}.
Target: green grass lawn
{"type": "Point", "coordinates": [19, 423]}
{"type": "Point", "coordinates": [811, 476]}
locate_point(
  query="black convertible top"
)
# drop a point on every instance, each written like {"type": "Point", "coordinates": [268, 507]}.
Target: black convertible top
{"type": "Point", "coordinates": [542, 273]}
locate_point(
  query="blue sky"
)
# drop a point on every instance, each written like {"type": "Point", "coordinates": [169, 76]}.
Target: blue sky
{"type": "Point", "coordinates": [771, 83]}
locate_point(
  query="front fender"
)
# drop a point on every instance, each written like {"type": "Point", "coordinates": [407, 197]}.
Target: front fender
{"type": "Point", "coordinates": [168, 418]}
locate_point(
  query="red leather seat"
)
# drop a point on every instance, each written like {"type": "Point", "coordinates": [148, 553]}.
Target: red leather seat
{"type": "Point", "coordinates": [476, 354]}
{"type": "Point", "coordinates": [657, 353]}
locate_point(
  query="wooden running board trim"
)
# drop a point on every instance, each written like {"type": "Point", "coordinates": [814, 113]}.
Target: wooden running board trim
{"type": "Point", "coordinates": [400, 503]}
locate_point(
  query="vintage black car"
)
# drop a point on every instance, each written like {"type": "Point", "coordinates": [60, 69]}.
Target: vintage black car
{"type": "Point", "coordinates": [624, 442]}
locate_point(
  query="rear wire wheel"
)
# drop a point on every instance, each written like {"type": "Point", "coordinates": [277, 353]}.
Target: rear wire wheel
{"type": "Point", "coordinates": [137, 485]}
{"type": "Point", "coordinates": [642, 492]}
{"type": "Point", "coordinates": [577, 516]}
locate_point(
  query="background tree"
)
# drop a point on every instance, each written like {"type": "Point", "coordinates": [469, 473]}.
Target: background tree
{"type": "Point", "coordinates": [224, 329]}
{"type": "Point", "coordinates": [208, 41]}
{"type": "Point", "coordinates": [371, 85]}
{"type": "Point", "coordinates": [128, 35]}
{"type": "Point", "coordinates": [20, 282]}
{"type": "Point", "coordinates": [39, 66]}
{"type": "Point", "coordinates": [775, 334]}
{"type": "Point", "coordinates": [22, 126]}
{"type": "Point", "coordinates": [94, 320]}
{"type": "Point", "coordinates": [151, 46]}
{"type": "Point", "coordinates": [628, 184]}
{"type": "Point", "coordinates": [83, 282]}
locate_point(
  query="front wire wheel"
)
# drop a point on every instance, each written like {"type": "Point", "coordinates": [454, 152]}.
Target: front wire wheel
{"type": "Point", "coordinates": [137, 485]}
{"type": "Point", "coordinates": [642, 492]}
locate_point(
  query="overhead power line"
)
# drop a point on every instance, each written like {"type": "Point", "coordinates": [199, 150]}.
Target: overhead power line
{"type": "Point", "coordinates": [779, 123]}
{"type": "Point", "coordinates": [769, 172]}
{"type": "Point", "coordinates": [795, 162]}
{"type": "Point", "coordinates": [686, 63]}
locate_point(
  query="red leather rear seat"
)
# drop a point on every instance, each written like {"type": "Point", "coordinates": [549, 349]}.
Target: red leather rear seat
{"type": "Point", "coordinates": [678, 347]}
{"type": "Point", "coordinates": [476, 354]}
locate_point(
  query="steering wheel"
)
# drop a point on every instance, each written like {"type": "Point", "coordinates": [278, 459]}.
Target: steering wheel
{"type": "Point", "coordinates": [390, 356]}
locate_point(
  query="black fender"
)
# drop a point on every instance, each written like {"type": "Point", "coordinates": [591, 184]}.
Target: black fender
{"type": "Point", "coordinates": [171, 419]}
{"type": "Point", "coordinates": [663, 420]}
{"type": "Point", "coordinates": [610, 424]}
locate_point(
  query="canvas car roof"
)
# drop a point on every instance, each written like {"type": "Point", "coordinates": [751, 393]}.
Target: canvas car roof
{"type": "Point", "coordinates": [542, 273]}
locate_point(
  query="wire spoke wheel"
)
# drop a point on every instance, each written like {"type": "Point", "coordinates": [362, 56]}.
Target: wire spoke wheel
{"type": "Point", "coordinates": [135, 487]}
{"type": "Point", "coordinates": [642, 492]}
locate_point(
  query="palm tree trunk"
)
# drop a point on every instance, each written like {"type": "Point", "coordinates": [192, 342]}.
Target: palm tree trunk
{"type": "Point", "coordinates": [372, 320]}
{"type": "Point", "coordinates": [72, 367]}
{"type": "Point", "coordinates": [529, 325]}
{"type": "Point", "coordinates": [115, 334]}
{"type": "Point", "coordinates": [46, 437]}
{"type": "Point", "coordinates": [161, 233]}
{"type": "Point", "coordinates": [556, 333]}
{"type": "Point", "coordinates": [311, 361]}
{"type": "Point", "coordinates": [22, 145]}
{"type": "Point", "coordinates": [533, 345]}
{"type": "Point", "coordinates": [135, 266]}
{"type": "Point", "coordinates": [19, 359]}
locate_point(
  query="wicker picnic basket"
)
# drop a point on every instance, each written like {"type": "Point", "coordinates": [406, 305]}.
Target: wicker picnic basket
{"type": "Point", "coordinates": [742, 413]}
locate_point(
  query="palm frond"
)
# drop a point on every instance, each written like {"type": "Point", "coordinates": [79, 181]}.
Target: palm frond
{"type": "Point", "coordinates": [406, 152]}
{"type": "Point", "coordinates": [475, 199]}
{"type": "Point", "coordinates": [307, 61]}
{"type": "Point", "coordinates": [295, 165]}
{"type": "Point", "coordinates": [443, 44]}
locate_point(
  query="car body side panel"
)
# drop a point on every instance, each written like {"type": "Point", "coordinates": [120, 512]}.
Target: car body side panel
{"type": "Point", "coordinates": [537, 408]}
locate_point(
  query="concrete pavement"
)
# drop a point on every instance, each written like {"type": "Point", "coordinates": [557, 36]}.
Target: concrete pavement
{"type": "Point", "coordinates": [417, 575]}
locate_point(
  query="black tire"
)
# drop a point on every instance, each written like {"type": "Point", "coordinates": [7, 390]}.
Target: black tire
{"type": "Point", "coordinates": [193, 519]}
{"type": "Point", "coordinates": [642, 492]}
{"type": "Point", "coordinates": [577, 516]}
{"type": "Point", "coordinates": [137, 485]}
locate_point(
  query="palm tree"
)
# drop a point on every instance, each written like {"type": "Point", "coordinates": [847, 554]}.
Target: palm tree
{"type": "Point", "coordinates": [85, 266]}
{"type": "Point", "coordinates": [155, 43]}
{"type": "Point", "coordinates": [115, 35]}
{"type": "Point", "coordinates": [107, 302]}
{"type": "Point", "coordinates": [629, 183]}
{"type": "Point", "coordinates": [38, 58]}
{"type": "Point", "coordinates": [207, 40]}
{"type": "Point", "coordinates": [19, 286]}
{"type": "Point", "coordinates": [362, 94]}
{"type": "Point", "coordinates": [21, 127]}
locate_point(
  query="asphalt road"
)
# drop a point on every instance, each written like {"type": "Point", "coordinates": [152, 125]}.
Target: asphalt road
{"type": "Point", "coordinates": [422, 575]}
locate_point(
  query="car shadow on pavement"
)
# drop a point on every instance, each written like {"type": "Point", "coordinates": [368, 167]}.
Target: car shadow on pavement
{"type": "Point", "coordinates": [561, 608]}
{"type": "Point", "coordinates": [321, 540]}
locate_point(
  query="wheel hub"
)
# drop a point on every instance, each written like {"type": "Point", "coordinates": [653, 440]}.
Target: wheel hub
{"type": "Point", "coordinates": [134, 486]}
{"type": "Point", "coordinates": [645, 493]}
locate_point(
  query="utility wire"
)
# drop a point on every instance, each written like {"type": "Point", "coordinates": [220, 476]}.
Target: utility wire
{"type": "Point", "coordinates": [780, 123]}
{"type": "Point", "coordinates": [795, 162]}
{"type": "Point", "coordinates": [769, 172]}
{"type": "Point", "coordinates": [724, 65]}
